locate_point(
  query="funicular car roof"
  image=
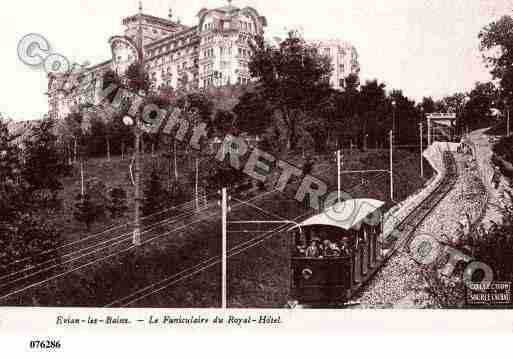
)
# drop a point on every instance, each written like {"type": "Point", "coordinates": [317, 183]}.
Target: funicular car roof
{"type": "Point", "coordinates": [344, 215]}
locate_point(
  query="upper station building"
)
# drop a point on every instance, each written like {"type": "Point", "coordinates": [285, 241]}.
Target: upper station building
{"type": "Point", "coordinates": [214, 52]}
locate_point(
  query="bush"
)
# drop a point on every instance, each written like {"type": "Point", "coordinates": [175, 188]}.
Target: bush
{"type": "Point", "coordinates": [495, 247]}
{"type": "Point", "coordinates": [504, 148]}
{"type": "Point", "coordinates": [87, 211]}
{"type": "Point", "coordinates": [117, 202]}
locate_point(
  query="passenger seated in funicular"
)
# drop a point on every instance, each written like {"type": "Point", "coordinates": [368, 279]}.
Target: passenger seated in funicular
{"type": "Point", "coordinates": [313, 250]}
{"type": "Point", "coordinates": [330, 249]}
{"type": "Point", "coordinates": [301, 247]}
{"type": "Point", "coordinates": [344, 247]}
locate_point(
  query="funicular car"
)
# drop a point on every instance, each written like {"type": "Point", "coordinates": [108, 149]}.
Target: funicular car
{"type": "Point", "coordinates": [335, 252]}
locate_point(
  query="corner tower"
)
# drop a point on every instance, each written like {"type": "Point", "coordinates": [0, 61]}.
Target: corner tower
{"type": "Point", "coordinates": [224, 52]}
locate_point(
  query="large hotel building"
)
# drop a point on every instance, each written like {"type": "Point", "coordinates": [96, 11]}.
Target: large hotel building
{"type": "Point", "coordinates": [214, 52]}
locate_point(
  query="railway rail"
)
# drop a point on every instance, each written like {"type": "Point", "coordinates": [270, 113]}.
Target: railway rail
{"type": "Point", "coordinates": [410, 223]}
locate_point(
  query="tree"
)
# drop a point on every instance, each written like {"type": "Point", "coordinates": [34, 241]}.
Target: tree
{"type": "Point", "coordinates": [293, 78]}
{"type": "Point", "coordinates": [223, 123]}
{"type": "Point", "coordinates": [26, 237]}
{"type": "Point", "coordinates": [70, 133]}
{"type": "Point", "coordinates": [374, 114]}
{"type": "Point", "coordinates": [428, 105]}
{"type": "Point", "coordinates": [252, 113]}
{"type": "Point", "coordinates": [477, 110]}
{"type": "Point", "coordinates": [156, 197]}
{"type": "Point", "coordinates": [117, 203]}
{"type": "Point", "coordinates": [121, 136]}
{"type": "Point", "coordinates": [496, 43]}
{"type": "Point", "coordinates": [196, 108]}
{"type": "Point", "coordinates": [87, 211]}
{"type": "Point", "coordinates": [96, 138]}
{"type": "Point", "coordinates": [13, 188]}
{"type": "Point", "coordinates": [406, 116]}
{"type": "Point", "coordinates": [44, 164]}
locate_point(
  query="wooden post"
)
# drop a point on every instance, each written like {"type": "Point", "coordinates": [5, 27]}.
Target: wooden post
{"type": "Point", "coordinates": [82, 186]}
{"type": "Point", "coordinates": [338, 176]}
{"type": "Point", "coordinates": [224, 214]}
{"type": "Point", "coordinates": [421, 147]}
{"type": "Point", "coordinates": [137, 175]}
{"type": "Point", "coordinates": [196, 188]}
{"type": "Point", "coordinates": [108, 149]}
{"type": "Point", "coordinates": [391, 166]}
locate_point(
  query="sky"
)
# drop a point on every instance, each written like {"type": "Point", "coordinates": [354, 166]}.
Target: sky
{"type": "Point", "coordinates": [423, 47]}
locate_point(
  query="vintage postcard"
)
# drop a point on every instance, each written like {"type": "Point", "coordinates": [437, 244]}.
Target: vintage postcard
{"type": "Point", "coordinates": [255, 165]}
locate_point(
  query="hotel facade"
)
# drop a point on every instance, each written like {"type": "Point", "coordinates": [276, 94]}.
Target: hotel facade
{"type": "Point", "coordinates": [214, 52]}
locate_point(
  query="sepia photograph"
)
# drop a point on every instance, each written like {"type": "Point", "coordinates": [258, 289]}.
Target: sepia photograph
{"type": "Point", "coordinates": [331, 158]}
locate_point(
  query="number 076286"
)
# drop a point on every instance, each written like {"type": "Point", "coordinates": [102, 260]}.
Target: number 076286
{"type": "Point", "coordinates": [45, 344]}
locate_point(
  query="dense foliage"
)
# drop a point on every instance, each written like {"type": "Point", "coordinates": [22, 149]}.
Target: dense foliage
{"type": "Point", "coordinates": [26, 237]}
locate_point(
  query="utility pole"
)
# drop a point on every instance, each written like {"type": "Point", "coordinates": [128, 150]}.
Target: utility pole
{"type": "Point", "coordinates": [391, 165]}
{"type": "Point", "coordinates": [339, 185]}
{"type": "Point", "coordinates": [137, 163]}
{"type": "Point", "coordinates": [196, 180]}
{"type": "Point", "coordinates": [507, 120]}
{"type": "Point", "coordinates": [429, 131]}
{"type": "Point", "coordinates": [137, 179]}
{"type": "Point", "coordinates": [393, 115]}
{"type": "Point", "coordinates": [82, 187]}
{"type": "Point", "coordinates": [224, 214]}
{"type": "Point", "coordinates": [175, 160]}
{"type": "Point", "coordinates": [421, 147]}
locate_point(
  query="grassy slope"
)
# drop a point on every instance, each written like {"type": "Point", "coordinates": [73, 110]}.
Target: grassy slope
{"type": "Point", "coordinates": [258, 277]}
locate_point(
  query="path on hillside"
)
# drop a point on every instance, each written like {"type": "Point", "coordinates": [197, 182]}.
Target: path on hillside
{"type": "Point", "coordinates": [401, 282]}
{"type": "Point", "coordinates": [496, 196]}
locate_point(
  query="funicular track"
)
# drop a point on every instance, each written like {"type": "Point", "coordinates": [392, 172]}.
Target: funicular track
{"type": "Point", "coordinates": [402, 234]}
{"type": "Point", "coordinates": [406, 228]}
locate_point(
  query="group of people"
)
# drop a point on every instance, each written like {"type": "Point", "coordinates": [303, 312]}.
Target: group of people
{"type": "Point", "coordinates": [322, 248]}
